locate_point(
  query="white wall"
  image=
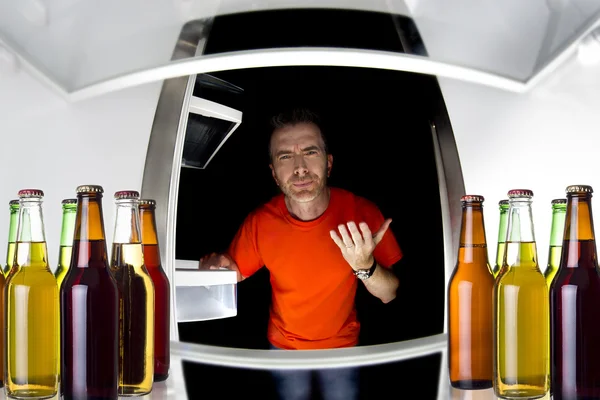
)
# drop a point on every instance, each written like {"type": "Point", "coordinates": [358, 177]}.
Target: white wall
{"type": "Point", "coordinates": [544, 141]}
{"type": "Point", "coordinates": [55, 146]}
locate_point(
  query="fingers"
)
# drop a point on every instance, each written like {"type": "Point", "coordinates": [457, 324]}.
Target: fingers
{"type": "Point", "coordinates": [337, 239]}
{"type": "Point", "coordinates": [384, 227]}
{"type": "Point", "coordinates": [348, 242]}
{"type": "Point", "coordinates": [357, 237]}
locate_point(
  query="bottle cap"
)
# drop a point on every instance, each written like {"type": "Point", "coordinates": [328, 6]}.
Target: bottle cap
{"type": "Point", "coordinates": [69, 201]}
{"type": "Point", "coordinates": [469, 198]}
{"type": "Point", "coordinates": [13, 202]}
{"type": "Point", "coordinates": [503, 202]}
{"type": "Point", "coordinates": [90, 189]}
{"type": "Point", "coordinates": [520, 193]}
{"type": "Point", "coordinates": [559, 201]}
{"type": "Point", "coordinates": [147, 202]}
{"type": "Point", "coordinates": [579, 189]}
{"type": "Point", "coordinates": [127, 194]}
{"type": "Point", "coordinates": [29, 193]}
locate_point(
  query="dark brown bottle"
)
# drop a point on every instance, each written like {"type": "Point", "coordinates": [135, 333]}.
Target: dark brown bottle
{"type": "Point", "coordinates": [89, 308]}
{"type": "Point", "coordinates": [575, 305]}
{"type": "Point", "coordinates": [162, 313]}
{"type": "Point", "coordinates": [470, 315]}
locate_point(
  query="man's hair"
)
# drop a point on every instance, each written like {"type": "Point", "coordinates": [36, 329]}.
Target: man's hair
{"type": "Point", "coordinates": [295, 116]}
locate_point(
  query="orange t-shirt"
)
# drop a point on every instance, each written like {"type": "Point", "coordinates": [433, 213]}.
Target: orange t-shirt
{"type": "Point", "coordinates": [313, 287]}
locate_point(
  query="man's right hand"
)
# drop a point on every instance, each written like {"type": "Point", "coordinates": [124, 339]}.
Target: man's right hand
{"type": "Point", "coordinates": [215, 261]}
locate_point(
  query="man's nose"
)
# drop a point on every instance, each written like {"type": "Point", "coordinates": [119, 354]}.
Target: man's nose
{"type": "Point", "coordinates": [300, 167]}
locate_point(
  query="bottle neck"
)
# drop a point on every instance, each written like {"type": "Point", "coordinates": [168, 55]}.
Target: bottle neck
{"type": "Point", "coordinates": [13, 223]}
{"type": "Point", "coordinates": [127, 225]}
{"type": "Point", "coordinates": [503, 226]}
{"type": "Point", "coordinates": [68, 225]}
{"type": "Point", "coordinates": [89, 219]}
{"type": "Point", "coordinates": [520, 221]}
{"type": "Point", "coordinates": [473, 244]}
{"type": "Point", "coordinates": [557, 229]}
{"type": "Point", "coordinates": [578, 219]}
{"type": "Point", "coordinates": [579, 244]}
{"type": "Point", "coordinates": [31, 221]}
{"type": "Point", "coordinates": [472, 230]}
{"type": "Point", "coordinates": [148, 226]}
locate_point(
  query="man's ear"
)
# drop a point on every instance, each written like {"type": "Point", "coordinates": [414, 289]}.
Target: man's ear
{"type": "Point", "coordinates": [329, 164]}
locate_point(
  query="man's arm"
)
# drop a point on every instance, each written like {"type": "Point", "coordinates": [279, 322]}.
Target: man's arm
{"type": "Point", "coordinates": [382, 284]}
{"type": "Point", "coordinates": [357, 248]}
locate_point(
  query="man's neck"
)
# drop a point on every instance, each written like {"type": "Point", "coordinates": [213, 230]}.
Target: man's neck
{"type": "Point", "coordinates": [310, 210]}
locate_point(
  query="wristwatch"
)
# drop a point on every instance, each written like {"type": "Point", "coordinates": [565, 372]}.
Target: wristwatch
{"type": "Point", "coordinates": [364, 274]}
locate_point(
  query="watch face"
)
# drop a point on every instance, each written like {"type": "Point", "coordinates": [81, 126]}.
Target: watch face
{"type": "Point", "coordinates": [362, 274]}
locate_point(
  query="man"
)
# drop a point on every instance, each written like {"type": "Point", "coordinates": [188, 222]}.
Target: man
{"type": "Point", "coordinates": [318, 242]}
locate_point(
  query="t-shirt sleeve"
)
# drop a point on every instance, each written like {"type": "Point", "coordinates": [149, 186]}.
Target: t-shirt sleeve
{"type": "Point", "coordinates": [388, 251]}
{"type": "Point", "coordinates": [244, 246]}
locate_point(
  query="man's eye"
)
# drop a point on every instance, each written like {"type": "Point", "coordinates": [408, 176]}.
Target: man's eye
{"type": "Point", "coordinates": [311, 152]}
{"type": "Point", "coordinates": [284, 157]}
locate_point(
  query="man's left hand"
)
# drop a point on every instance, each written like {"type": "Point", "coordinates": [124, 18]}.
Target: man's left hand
{"type": "Point", "coordinates": [357, 246]}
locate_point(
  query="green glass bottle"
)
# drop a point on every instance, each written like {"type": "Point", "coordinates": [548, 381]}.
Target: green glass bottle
{"type": "Point", "coordinates": [13, 206]}
{"type": "Point", "coordinates": [521, 310]}
{"type": "Point", "coordinates": [503, 205]}
{"type": "Point", "coordinates": [559, 211]}
{"type": "Point", "coordinates": [69, 209]}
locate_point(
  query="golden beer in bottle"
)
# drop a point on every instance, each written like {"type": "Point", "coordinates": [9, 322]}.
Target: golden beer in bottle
{"type": "Point", "coordinates": [521, 310]}
{"type": "Point", "coordinates": [32, 306]}
{"type": "Point", "coordinates": [136, 299]}
{"type": "Point", "coordinates": [13, 206]}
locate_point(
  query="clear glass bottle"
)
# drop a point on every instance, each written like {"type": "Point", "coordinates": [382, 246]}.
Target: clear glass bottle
{"type": "Point", "coordinates": [32, 319]}
{"type": "Point", "coordinates": [89, 308]}
{"type": "Point", "coordinates": [557, 227]}
{"type": "Point", "coordinates": [575, 304]}
{"type": "Point", "coordinates": [521, 310]}
{"type": "Point", "coordinates": [136, 299]}
{"type": "Point", "coordinates": [470, 344]}
{"type": "Point", "coordinates": [502, 228]}
{"type": "Point", "coordinates": [13, 206]}
{"type": "Point", "coordinates": [162, 291]}
{"type": "Point", "coordinates": [69, 210]}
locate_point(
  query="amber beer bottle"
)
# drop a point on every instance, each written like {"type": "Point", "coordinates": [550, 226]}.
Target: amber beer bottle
{"type": "Point", "coordinates": [557, 227]}
{"type": "Point", "coordinates": [470, 352]}
{"type": "Point", "coordinates": [89, 308]}
{"type": "Point", "coordinates": [161, 289]}
{"type": "Point", "coordinates": [13, 207]}
{"type": "Point", "coordinates": [136, 299]}
{"type": "Point", "coordinates": [521, 310]}
{"type": "Point", "coordinates": [69, 211]}
{"type": "Point", "coordinates": [575, 304]}
{"type": "Point", "coordinates": [31, 295]}
{"type": "Point", "coordinates": [502, 227]}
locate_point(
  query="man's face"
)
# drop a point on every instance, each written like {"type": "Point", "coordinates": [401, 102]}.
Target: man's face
{"type": "Point", "coordinates": [299, 163]}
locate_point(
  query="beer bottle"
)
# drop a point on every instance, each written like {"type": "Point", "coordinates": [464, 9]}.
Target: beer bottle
{"type": "Point", "coordinates": [89, 308]}
{"type": "Point", "coordinates": [69, 210]}
{"type": "Point", "coordinates": [161, 289]}
{"type": "Point", "coordinates": [136, 299]}
{"type": "Point", "coordinates": [32, 334]}
{"type": "Point", "coordinates": [503, 205]}
{"type": "Point", "coordinates": [575, 304]}
{"type": "Point", "coordinates": [559, 210]}
{"type": "Point", "coordinates": [521, 308]}
{"type": "Point", "coordinates": [470, 352]}
{"type": "Point", "coordinates": [13, 207]}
